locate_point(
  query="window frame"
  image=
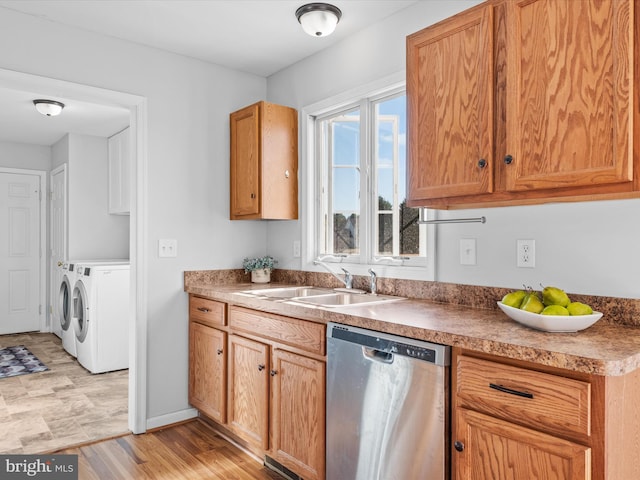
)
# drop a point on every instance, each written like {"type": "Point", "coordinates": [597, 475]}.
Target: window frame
{"type": "Point", "coordinates": [422, 268]}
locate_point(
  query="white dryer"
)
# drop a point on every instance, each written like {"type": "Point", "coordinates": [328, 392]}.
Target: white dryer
{"type": "Point", "coordinates": [64, 308]}
{"type": "Point", "coordinates": [101, 316]}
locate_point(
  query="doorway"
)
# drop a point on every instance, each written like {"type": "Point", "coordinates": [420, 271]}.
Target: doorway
{"type": "Point", "coordinates": [21, 268]}
{"type": "Point", "coordinates": [138, 310]}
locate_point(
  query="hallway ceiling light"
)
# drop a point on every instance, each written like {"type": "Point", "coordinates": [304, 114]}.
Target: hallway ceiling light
{"type": "Point", "coordinates": [50, 108]}
{"type": "Point", "coordinates": [318, 19]}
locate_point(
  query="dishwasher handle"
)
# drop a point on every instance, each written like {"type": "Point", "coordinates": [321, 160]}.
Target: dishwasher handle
{"type": "Point", "coordinates": [375, 355]}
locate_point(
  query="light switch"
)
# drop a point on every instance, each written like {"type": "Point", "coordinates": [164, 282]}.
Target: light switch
{"type": "Point", "coordinates": [467, 251]}
{"type": "Point", "coordinates": [167, 247]}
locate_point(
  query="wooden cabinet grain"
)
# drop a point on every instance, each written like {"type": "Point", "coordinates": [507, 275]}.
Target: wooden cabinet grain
{"type": "Point", "coordinates": [279, 387]}
{"type": "Point", "coordinates": [524, 101]}
{"type": "Point", "coordinates": [517, 420]}
{"type": "Point", "coordinates": [207, 357]}
{"type": "Point", "coordinates": [261, 378]}
{"type": "Point", "coordinates": [249, 390]}
{"type": "Point", "coordinates": [501, 450]}
{"type": "Point", "coordinates": [450, 107]}
{"type": "Point", "coordinates": [298, 413]}
{"type": "Point", "coordinates": [207, 370]}
{"type": "Point", "coordinates": [264, 162]}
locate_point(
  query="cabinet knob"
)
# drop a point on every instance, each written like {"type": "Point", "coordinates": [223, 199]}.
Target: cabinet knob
{"type": "Point", "coordinates": [482, 163]}
{"type": "Point", "coordinates": [260, 367]}
{"type": "Point", "coordinates": [253, 195]}
{"type": "Point", "coordinates": [286, 174]}
{"type": "Point", "coordinates": [508, 159]}
{"type": "Point", "coordinates": [459, 446]}
{"type": "Point", "coordinates": [273, 373]}
{"type": "Point", "coordinates": [219, 351]}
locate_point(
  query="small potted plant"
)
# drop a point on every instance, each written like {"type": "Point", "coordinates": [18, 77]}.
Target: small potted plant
{"type": "Point", "coordinates": [260, 268]}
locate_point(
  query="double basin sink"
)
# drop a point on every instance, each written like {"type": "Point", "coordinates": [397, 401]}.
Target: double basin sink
{"type": "Point", "coordinates": [322, 297]}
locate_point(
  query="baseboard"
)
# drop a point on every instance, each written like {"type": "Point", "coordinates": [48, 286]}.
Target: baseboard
{"type": "Point", "coordinates": [171, 418]}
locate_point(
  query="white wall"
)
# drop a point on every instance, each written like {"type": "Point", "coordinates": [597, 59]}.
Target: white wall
{"type": "Point", "coordinates": [93, 232]}
{"type": "Point", "coordinates": [588, 248]}
{"type": "Point", "coordinates": [188, 155]}
{"type": "Point", "coordinates": [23, 155]}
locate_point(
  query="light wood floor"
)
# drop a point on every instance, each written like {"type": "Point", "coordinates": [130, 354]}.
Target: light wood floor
{"type": "Point", "coordinates": [63, 406]}
{"type": "Point", "coordinates": [186, 451]}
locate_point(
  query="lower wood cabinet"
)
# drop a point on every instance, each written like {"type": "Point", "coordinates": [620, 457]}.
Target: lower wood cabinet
{"type": "Point", "coordinates": [495, 449]}
{"type": "Point", "coordinates": [515, 420]}
{"type": "Point", "coordinates": [261, 377]}
{"type": "Point", "coordinates": [249, 390]}
{"type": "Point", "coordinates": [208, 370]}
{"type": "Point", "coordinates": [298, 413]}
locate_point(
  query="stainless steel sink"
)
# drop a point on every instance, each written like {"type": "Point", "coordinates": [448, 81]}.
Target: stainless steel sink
{"type": "Point", "coordinates": [289, 292]}
{"type": "Point", "coordinates": [321, 297]}
{"type": "Point", "coordinates": [346, 299]}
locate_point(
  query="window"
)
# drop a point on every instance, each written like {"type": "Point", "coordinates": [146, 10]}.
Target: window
{"type": "Point", "coordinates": [360, 157]}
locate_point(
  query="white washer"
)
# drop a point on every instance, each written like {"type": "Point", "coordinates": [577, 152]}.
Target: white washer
{"type": "Point", "coordinates": [64, 308]}
{"type": "Point", "coordinates": [101, 316]}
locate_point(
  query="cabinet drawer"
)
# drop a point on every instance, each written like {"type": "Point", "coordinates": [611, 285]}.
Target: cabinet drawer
{"type": "Point", "coordinates": [209, 312]}
{"type": "Point", "coordinates": [308, 336]}
{"type": "Point", "coordinates": [527, 397]}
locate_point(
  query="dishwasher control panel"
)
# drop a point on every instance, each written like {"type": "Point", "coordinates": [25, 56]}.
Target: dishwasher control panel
{"type": "Point", "coordinates": [418, 349]}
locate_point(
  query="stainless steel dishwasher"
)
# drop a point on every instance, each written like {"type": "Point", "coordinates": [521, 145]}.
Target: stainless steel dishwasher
{"type": "Point", "coordinates": [387, 406]}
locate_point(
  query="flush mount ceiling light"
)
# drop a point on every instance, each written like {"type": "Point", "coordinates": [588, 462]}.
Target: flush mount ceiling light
{"type": "Point", "coordinates": [50, 108]}
{"type": "Point", "coordinates": [318, 19]}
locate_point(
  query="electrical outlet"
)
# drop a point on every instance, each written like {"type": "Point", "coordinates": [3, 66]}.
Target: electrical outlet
{"type": "Point", "coordinates": [296, 248]}
{"type": "Point", "coordinates": [526, 253]}
{"type": "Point", "coordinates": [467, 251]}
{"type": "Point", "coordinates": [167, 247]}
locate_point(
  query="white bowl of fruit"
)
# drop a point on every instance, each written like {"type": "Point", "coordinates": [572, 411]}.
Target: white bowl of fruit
{"type": "Point", "coordinates": [550, 310]}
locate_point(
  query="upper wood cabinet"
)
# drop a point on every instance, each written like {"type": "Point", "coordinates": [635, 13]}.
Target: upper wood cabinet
{"type": "Point", "coordinates": [450, 107]}
{"type": "Point", "coordinates": [264, 162]}
{"type": "Point", "coordinates": [524, 102]}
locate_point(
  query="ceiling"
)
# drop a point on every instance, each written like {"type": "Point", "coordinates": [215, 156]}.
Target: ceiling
{"type": "Point", "coordinates": [259, 37]}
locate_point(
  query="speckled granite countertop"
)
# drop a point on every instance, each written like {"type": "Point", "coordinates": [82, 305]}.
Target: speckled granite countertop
{"type": "Point", "coordinates": [602, 349]}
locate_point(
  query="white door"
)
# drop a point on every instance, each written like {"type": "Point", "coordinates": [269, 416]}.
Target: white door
{"type": "Point", "coordinates": [19, 253]}
{"type": "Point", "coordinates": [58, 242]}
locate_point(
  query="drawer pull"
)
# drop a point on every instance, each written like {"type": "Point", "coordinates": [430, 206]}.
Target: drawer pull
{"type": "Point", "coordinates": [511, 391]}
{"type": "Point", "coordinates": [203, 309]}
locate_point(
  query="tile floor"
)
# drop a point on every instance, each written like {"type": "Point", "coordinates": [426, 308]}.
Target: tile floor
{"type": "Point", "coordinates": [64, 406]}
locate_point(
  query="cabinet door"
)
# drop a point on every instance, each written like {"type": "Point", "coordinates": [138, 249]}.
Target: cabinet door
{"type": "Point", "coordinates": [570, 70]}
{"type": "Point", "coordinates": [450, 107]}
{"type": "Point", "coordinates": [245, 162]}
{"type": "Point", "coordinates": [207, 370]}
{"type": "Point", "coordinates": [248, 412]}
{"type": "Point", "coordinates": [498, 450]}
{"type": "Point", "coordinates": [119, 155]}
{"type": "Point", "coordinates": [297, 413]}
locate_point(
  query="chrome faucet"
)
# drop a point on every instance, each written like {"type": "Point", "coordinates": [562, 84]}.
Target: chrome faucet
{"type": "Point", "coordinates": [373, 282]}
{"type": "Point", "coordinates": [348, 278]}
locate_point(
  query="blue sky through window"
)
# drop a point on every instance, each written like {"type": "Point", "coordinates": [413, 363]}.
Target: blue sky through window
{"type": "Point", "coordinates": [346, 155]}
